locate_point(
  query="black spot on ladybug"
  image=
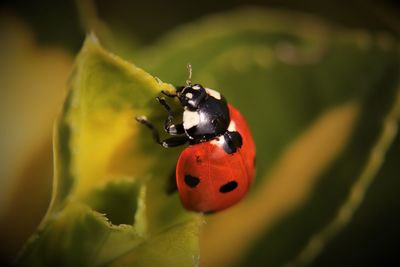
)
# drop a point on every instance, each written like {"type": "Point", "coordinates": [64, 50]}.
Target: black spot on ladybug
{"type": "Point", "coordinates": [191, 181]}
{"type": "Point", "coordinates": [228, 187]}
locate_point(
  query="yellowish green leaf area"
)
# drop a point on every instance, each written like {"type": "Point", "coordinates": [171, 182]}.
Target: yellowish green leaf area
{"type": "Point", "coordinates": [109, 205]}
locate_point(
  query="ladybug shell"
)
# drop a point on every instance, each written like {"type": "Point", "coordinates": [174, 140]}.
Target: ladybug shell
{"type": "Point", "coordinates": [209, 179]}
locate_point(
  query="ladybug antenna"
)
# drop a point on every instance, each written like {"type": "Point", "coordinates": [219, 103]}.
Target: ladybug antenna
{"type": "Point", "coordinates": [189, 80]}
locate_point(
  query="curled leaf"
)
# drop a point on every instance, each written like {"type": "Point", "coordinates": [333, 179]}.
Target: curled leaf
{"type": "Point", "coordinates": [109, 196]}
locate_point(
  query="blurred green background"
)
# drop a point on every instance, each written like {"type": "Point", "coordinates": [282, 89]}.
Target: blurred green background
{"type": "Point", "coordinates": [39, 40]}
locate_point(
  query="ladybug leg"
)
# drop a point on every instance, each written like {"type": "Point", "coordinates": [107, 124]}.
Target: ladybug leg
{"type": "Point", "coordinates": [175, 141]}
{"type": "Point", "coordinates": [166, 93]}
{"type": "Point", "coordinates": [174, 129]}
{"type": "Point", "coordinates": [169, 94]}
{"type": "Point", "coordinates": [143, 120]}
{"type": "Point", "coordinates": [169, 127]}
{"type": "Point", "coordinates": [170, 142]}
{"type": "Point", "coordinates": [233, 141]}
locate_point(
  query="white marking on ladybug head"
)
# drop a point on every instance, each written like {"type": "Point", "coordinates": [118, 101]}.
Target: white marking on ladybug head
{"type": "Point", "coordinates": [196, 87]}
{"type": "Point", "coordinates": [190, 119]}
{"type": "Point", "coordinates": [232, 126]}
{"type": "Point", "coordinates": [219, 141]}
{"type": "Point", "coordinates": [213, 93]}
{"type": "Point", "coordinates": [189, 95]}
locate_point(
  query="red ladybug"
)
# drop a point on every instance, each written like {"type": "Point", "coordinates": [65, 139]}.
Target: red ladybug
{"type": "Point", "coordinates": [217, 168]}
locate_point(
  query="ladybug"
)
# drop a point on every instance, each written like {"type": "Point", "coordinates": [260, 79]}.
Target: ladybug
{"type": "Point", "coordinates": [217, 168]}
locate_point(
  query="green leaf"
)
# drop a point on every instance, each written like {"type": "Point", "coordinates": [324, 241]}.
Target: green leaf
{"type": "Point", "coordinates": [109, 196]}
{"type": "Point", "coordinates": [182, 241]}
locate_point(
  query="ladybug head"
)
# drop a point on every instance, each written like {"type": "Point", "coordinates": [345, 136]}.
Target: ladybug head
{"type": "Point", "coordinates": [191, 96]}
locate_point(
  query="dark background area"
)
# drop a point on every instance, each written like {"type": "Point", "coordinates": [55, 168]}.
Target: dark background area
{"type": "Point", "coordinates": [58, 22]}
